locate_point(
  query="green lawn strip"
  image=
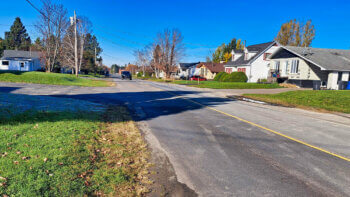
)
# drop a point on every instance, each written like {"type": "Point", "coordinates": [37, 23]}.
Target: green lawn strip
{"type": "Point", "coordinates": [235, 85]}
{"type": "Point", "coordinates": [64, 154]}
{"type": "Point", "coordinates": [330, 100]}
{"type": "Point", "coordinates": [49, 78]}
{"type": "Point", "coordinates": [218, 85]}
{"type": "Point", "coordinates": [92, 75]}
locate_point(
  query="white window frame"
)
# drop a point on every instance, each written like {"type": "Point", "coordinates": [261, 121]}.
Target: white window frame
{"type": "Point", "coordinates": [295, 67]}
{"type": "Point", "coordinates": [286, 67]}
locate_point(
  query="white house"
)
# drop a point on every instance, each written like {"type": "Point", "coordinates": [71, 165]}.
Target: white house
{"type": "Point", "coordinates": [252, 60]}
{"type": "Point", "coordinates": [20, 60]}
{"type": "Point", "coordinates": [305, 66]}
{"type": "Point", "coordinates": [186, 70]}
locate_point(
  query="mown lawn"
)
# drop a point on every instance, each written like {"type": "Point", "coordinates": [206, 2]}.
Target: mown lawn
{"type": "Point", "coordinates": [50, 78]}
{"type": "Point", "coordinates": [72, 154]}
{"type": "Point", "coordinates": [220, 85]}
{"type": "Point", "coordinates": [331, 100]}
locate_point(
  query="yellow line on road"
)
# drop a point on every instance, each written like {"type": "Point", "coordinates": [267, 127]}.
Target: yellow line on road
{"type": "Point", "coordinates": [262, 127]}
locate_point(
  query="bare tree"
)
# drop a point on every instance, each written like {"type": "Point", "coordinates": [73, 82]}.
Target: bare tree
{"type": "Point", "coordinates": [84, 28]}
{"type": "Point", "coordinates": [156, 59]}
{"type": "Point", "coordinates": [142, 59]}
{"type": "Point", "coordinates": [68, 47]}
{"type": "Point", "coordinates": [52, 24]}
{"type": "Point", "coordinates": [171, 49]}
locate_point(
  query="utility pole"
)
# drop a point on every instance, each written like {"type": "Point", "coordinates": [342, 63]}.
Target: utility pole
{"type": "Point", "coordinates": [95, 56]}
{"type": "Point", "coordinates": [76, 45]}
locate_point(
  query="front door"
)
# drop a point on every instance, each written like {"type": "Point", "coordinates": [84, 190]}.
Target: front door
{"type": "Point", "coordinates": [21, 66]}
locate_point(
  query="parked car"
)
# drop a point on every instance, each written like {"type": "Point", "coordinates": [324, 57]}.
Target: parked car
{"type": "Point", "coordinates": [126, 75]}
{"type": "Point", "coordinates": [197, 78]}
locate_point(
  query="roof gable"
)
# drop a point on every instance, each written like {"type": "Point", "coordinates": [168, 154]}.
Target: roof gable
{"type": "Point", "coordinates": [326, 59]}
{"type": "Point", "coordinates": [185, 66]}
{"type": "Point", "coordinates": [259, 49]}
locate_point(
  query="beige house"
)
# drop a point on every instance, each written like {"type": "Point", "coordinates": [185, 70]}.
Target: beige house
{"type": "Point", "coordinates": [209, 70]}
{"type": "Point", "coordinates": [307, 67]}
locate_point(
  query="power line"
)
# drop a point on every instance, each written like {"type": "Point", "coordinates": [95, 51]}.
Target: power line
{"type": "Point", "coordinates": [115, 43]}
{"type": "Point", "coordinates": [37, 9]}
{"type": "Point", "coordinates": [129, 41]}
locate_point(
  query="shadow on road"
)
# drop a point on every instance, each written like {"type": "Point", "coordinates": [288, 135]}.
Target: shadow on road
{"type": "Point", "coordinates": [154, 104]}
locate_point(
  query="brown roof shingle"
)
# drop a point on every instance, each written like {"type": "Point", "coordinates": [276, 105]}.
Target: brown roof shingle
{"type": "Point", "coordinates": [213, 67]}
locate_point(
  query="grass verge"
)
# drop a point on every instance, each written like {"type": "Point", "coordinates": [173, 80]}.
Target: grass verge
{"type": "Point", "coordinates": [330, 100]}
{"type": "Point", "coordinates": [50, 78]}
{"type": "Point", "coordinates": [219, 85]}
{"type": "Point", "coordinates": [72, 154]}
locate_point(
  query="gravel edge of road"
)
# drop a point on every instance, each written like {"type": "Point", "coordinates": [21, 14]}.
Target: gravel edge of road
{"type": "Point", "coordinates": [165, 182]}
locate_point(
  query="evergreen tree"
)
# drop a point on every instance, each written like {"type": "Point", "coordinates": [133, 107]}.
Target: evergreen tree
{"type": "Point", "coordinates": [37, 45]}
{"type": "Point", "coordinates": [91, 44]}
{"type": "Point", "coordinates": [2, 46]}
{"type": "Point", "coordinates": [17, 38]}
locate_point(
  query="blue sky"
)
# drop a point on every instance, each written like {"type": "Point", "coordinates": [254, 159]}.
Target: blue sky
{"type": "Point", "coordinates": [123, 26]}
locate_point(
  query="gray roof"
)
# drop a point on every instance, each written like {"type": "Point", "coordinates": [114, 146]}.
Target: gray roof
{"type": "Point", "coordinates": [328, 59]}
{"type": "Point", "coordinates": [238, 50]}
{"type": "Point", "coordinates": [258, 48]}
{"type": "Point", "coordinates": [185, 66]}
{"type": "Point", "coordinates": [9, 54]}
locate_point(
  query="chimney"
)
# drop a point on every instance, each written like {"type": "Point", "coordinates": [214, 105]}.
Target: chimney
{"type": "Point", "coordinates": [233, 55]}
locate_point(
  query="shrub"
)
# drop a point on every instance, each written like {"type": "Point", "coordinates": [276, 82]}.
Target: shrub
{"type": "Point", "coordinates": [223, 77]}
{"type": "Point", "coordinates": [262, 81]}
{"type": "Point", "coordinates": [218, 76]}
{"type": "Point", "coordinates": [235, 77]}
{"type": "Point", "coordinates": [140, 75]}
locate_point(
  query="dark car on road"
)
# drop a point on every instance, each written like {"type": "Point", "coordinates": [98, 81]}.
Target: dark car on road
{"type": "Point", "coordinates": [126, 75]}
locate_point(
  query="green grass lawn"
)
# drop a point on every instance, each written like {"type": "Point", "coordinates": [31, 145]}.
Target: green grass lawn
{"type": "Point", "coordinates": [50, 78]}
{"type": "Point", "coordinates": [72, 154]}
{"type": "Point", "coordinates": [220, 85]}
{"type": "Point", "coordinates": [331, 100]}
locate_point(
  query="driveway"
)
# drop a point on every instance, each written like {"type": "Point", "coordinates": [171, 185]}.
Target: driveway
{"type": "Point", "coordinates": [222, 147]}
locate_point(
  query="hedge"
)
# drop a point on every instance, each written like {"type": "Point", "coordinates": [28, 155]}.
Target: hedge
{"type": "Point", "coordinates": [235, 77]}
{"type": "Point", "coordinates": [219, 75]}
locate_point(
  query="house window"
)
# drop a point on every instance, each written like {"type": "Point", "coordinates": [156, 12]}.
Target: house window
{"type": "Point", "coordinates": [277, 65]}
{"type": "Point", "coordinates": [340, 76]}
{"type": "Point", "coordinates": [246, 56]}
{"type": "Point", "coordinates": [22, 64]}
{"type": "Point", "coordinates": [5, 63]}
{"type": "Point", "coordinates": [228, 70]}
{"type": "Point", "coordinates": [233, 57]}
{"type": "Point", "coordinates": [286, 69]}
{"type": "Point", "coordinates": [266, 55]}
{"type": "Point", "coordinates": [295, 66]}
{"type": "Point", "coordinates": [241, 70]}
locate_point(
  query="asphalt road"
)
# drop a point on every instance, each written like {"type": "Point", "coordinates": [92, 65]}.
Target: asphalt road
{"type": "Point", "coordinates": [222, 147]}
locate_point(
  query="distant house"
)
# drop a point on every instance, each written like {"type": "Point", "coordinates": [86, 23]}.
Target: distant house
{"type": "Point", "coordinates": [209, 70]}
{"type": "Point", "coordinates": [306, 66]}
{"type": "Point", "coordinates": [20, 60]}
{"type": "Point", "coordinates": [186, 70]}
{"type": "Point", "coordinates": [252, 60]}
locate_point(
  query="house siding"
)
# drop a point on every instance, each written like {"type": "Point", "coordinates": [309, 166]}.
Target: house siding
{"type": "Point", "coordinates": [206, 73]}
{"type": "Point", "coordinates": [260, 67]}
